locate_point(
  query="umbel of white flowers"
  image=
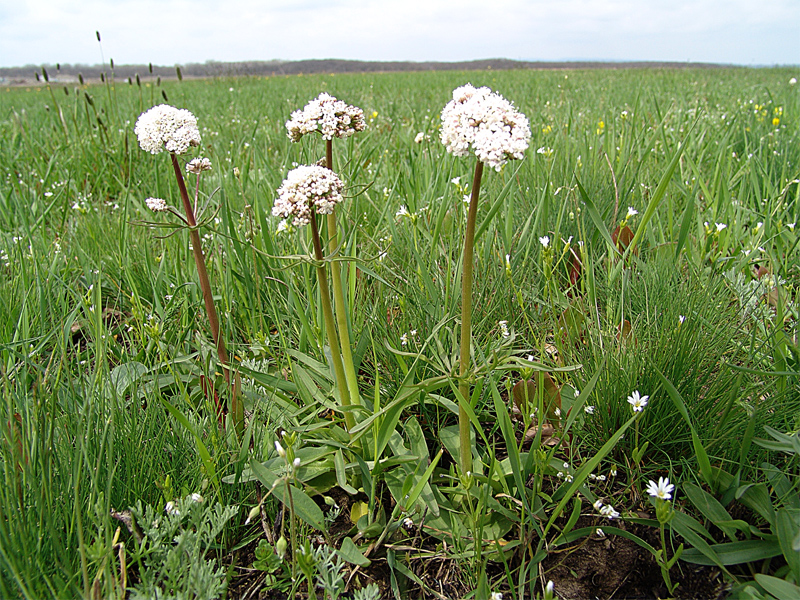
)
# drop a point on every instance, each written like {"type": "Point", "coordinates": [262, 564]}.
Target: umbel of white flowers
{"type": "Point", "coordinates": [308, 188]}
{"type": "Point", "coordinates": [483, 121]}
{"type": "Point", "coordinates": [328, 116]}
{"type": "Point", "coordinates": [165, 127]}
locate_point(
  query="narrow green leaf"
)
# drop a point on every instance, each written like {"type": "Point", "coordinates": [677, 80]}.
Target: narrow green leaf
{"type": "Point", "coordinates": [350, 553]}
{"type": "Point", "coordinates": [780, 588]}
{"type": "Point", "coordinates": [787, 528]}
{"type": "Point", "coordinates": [710, 508]}
{"type": "Point", "coordinates": [733, 553]}
{"type": "Point", "coordinates": [299, 502]}
{"type": "Point", "coordinates": [699, 451]}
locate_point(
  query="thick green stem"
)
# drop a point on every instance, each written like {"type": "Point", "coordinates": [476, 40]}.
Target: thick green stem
{"type": "Point", "coordinates": [338, 297]}
{"type": "Point", "coordinates": [330, 327]}
{"type": "Point", "coordinates": [466, 322]}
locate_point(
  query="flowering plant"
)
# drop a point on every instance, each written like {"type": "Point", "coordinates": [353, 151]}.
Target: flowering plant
{"type": "Point", "coordinates": [489, 125]}
{"type": "Point", "coordinates": [165, 127]}
{"type": "Point", "coordinates": [485, 122]}
{"type": "Point", "coordinates": [328, 116]}
{"type": "Point", "coordinates": [308, 187]}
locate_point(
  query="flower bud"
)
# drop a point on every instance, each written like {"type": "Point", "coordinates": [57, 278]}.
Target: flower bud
{"type": "Point", "coordinates": [280, 547]}
{"type": "Point", "coordinates": [253, 513]}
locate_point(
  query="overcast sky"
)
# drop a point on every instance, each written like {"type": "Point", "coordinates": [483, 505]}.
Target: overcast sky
{"type": "Point", "coordinates": [167, 32]}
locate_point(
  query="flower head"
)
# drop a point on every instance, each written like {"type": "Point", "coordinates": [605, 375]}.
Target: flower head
{"type": "Point", "coordinates": [328, 116]}
{"type": "Point", "coordinates": [480, 120]}
{"type": "Point", "coordinates": [156, 204]}
{"type": "Point", "coordinates": [662, 489]}
{"type": "Point", "coordinates": [198, 165]}
{"type": "Point", "coordinates": [632, 212]}
{"type": "Point", "coordinates": [308, 188]}
{"type": "Point", "coordinates": [545, 240]}
{"type": "Point", "coordinates": [608, 511]}
{"type": "Point", "coordinates": [637, 402]}
{"type": "Point", "coordinates": [165, 127]}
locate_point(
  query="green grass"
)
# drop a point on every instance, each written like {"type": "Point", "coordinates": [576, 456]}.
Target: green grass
{"type": "Point", "coordinates": [101, 317]}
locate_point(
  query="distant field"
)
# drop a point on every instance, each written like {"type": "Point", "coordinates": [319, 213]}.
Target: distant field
{"type": "Point", "coordinates": [102, 323]}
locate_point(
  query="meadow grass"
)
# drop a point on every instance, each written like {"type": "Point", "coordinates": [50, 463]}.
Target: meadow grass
{"type": "Point", "coordinates": [105, 348]}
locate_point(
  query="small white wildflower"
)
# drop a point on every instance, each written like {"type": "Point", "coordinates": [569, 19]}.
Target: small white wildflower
{"type": "Point", "coordinates": [637, 402]}
{"type": "Point", "coordinates": [576, 393]}
{"type": "Point", "coordinates": [613, 472]}
{"type": "Point", "coordinates": [793, 81]}
{"type": "Point", "coordinates": [156, 204]}
{"type": "Point", "coordinates": [404, 339]}
{"type": "Point", "coordinates": [791, 226]}
{"type": "Point", "coordinates": [283, 226]}
{"type": "Point", "coordinates": [598, 504]}
{"type": "Point", "coordinates": [467, 198]}
{"type": "Point", "coordinates": [600, 533]}
{"type": "Point", "coordinates": [171, 508]}
{"type": "Point", "coordinates": [196, 498]}
{"type": "Point", "coordinates": [456, 180]}
{"type": "Point", "coordinates": [419, 138]}
{"type": "Point", "coordinates": [568, 478]}
{"type": "Point", "coordinates": [557, 411]}
{"type": "Point", "coordinates": [601, 478]}
{"type": "Point", "coordinates": [165, 127]}
{"type": "Point", "coordinates": [720, 227]}
{"type": "Point", "coordinates": [681, 319]}
{"type": "Point", "coordinates": [632, 212]}
{"type": "Point", "coordinates": [504, 328]}
{"type": "Point", "coordinates": [545, 241]}
{"type": "Point", "coordinates": [609, 512]}
{"type": "Point", "coordinates": [402, 212]}
{"type": "Point", "coordinates": [588, 409]}
{"type": "Point", "coordinates": [413, 333]}
{"type": "Point", "coordinates": [662, 489]}
{"type": "Point", "coordinates": [408, 523]}
{"type": "Point", "coordinates": [281, 452]}
{"type": "Point", "coordinates": [496, 596]}
{"type": "Point", "coordinates": [296, 463]}
{"type": "Point", "coordinates": [198, 165]}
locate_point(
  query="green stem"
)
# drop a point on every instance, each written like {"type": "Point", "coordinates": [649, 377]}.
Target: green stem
{"type": "Point", "coordinates": [466, 322]}
{"type": "Point", "coordinates": [330, 328]}
{"type": "Point", "coordinates": [338, 296]}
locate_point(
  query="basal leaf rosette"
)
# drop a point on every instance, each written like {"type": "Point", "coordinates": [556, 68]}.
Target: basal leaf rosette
{"type": "Point", "coordinates": [484, 122]}
{"type": "Point", "coordinates": [165, 127]}
{"type": "Point", "coordinates": [328, 116]}
{"type": "Point", "coordinates": [308, 188]}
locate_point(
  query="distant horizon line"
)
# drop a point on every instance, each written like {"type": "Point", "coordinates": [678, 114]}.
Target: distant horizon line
{"type": "Point", "coordinates": [521, 62]}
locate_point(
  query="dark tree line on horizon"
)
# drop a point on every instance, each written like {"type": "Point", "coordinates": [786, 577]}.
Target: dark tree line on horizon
{"type": "Point", "coordinates": [278, 67]}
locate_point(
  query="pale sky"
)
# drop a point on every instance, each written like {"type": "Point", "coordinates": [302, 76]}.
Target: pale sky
{"type": "Point", "coordinates": [168, 32]}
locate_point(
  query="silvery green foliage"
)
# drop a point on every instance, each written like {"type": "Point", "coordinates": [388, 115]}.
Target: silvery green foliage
{"type": "Point", "coordinates": [371, 592]}
{"type": "Point", "coordinates": [329, 570]}
{"type": "Point", "coordinates": [750, 294]}
{"type": "Point", "coordinates": [172, 556]}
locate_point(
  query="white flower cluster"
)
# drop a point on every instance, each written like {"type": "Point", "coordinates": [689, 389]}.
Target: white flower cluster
{"type": "Point", "coordinates": [166, 127]}
{"type": "Point", "coordinates": [198, 165]}
{"type": "Point", "coordinates": [306, 187]}
{"type": "Point", "coordinates": [487, 123]}
{"type": "Point", "coordinates": [328, 116]}
{"type": "Point", "coordinates": [156, 204]}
